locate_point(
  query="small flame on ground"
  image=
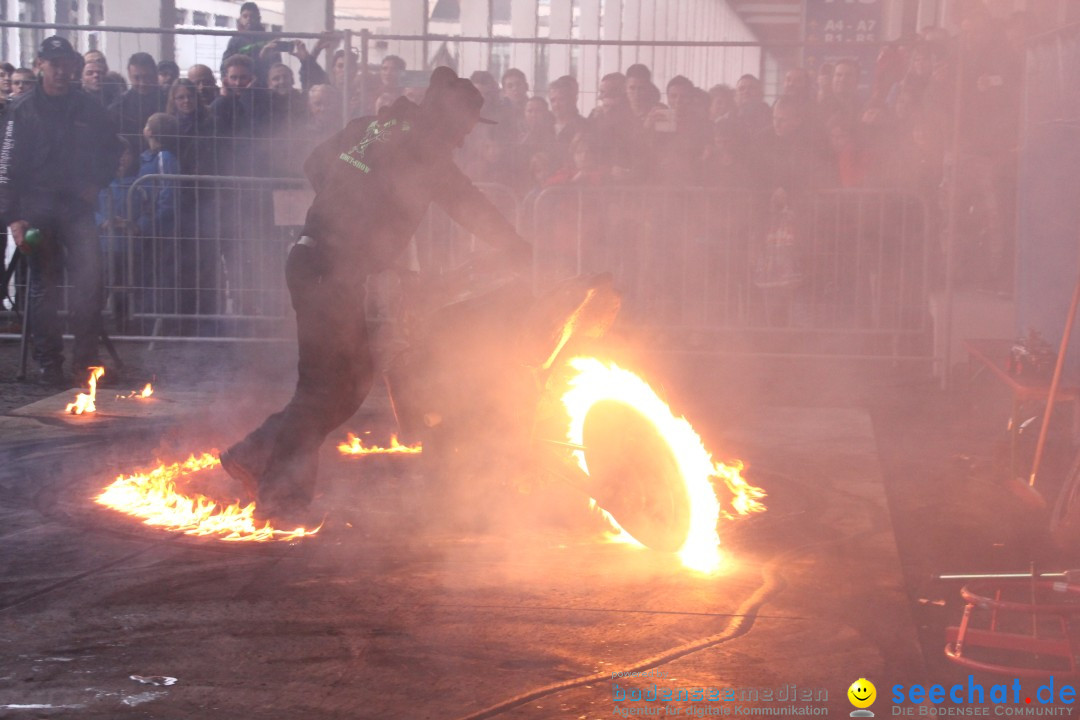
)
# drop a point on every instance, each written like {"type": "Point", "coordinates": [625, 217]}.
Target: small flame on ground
{"type": "Point", "coordinates": [153, 496]}
{"type": "Point", "coordinates": [84, 402]}
{"type": "Point", "coordinates": [596, 381]}
{"type": "Point", "coordinates": [145, 393]}
{"type": "Point", "coordinates": [355, 446]}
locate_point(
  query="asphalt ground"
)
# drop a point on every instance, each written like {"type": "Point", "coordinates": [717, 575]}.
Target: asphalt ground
{"type": "Point", "coordinates": [420, 600]}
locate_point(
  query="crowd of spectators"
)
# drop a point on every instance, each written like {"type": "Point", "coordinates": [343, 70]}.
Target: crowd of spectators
{"type": "Point", "coordinates": [836, 125]}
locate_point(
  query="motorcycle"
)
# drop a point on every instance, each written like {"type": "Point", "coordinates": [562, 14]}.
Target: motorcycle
{"type": "Point", "coordinates": [480, 385]}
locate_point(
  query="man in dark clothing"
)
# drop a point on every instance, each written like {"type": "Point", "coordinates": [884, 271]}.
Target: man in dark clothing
{"type": "Point", "coordinates": [241, 122]}
{"type": "Point", "coordinates": [374, 181]}
{"type": "Point", "coordinates": [168, 72]}
{"type": "Point", "coordinates": [240, 117]}
{"type": "Point", "coordinates": [59, 149]}
{"type": "Point", "coordinates": [751, 110]}
{"type": "Point", "coordinates": [563, 96]}
{"type": "Point", "coordinates": [263, 51]}
{"type": "Point", "coordinates": [143, 98]}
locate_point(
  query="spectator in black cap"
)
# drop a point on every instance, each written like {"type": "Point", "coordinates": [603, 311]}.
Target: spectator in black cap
{"type": "Point", "coordinates": [374, 181]}
{"type": "Point", "coordinates": [167, 73]}
{"type": "Point", "coordinates": [59, 149]}
{"type": "Point", "coordinates": [249, 41]}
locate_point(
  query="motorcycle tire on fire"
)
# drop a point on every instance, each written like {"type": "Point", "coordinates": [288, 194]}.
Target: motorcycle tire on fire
{"type": "Point", "coordinates": [635, 477]}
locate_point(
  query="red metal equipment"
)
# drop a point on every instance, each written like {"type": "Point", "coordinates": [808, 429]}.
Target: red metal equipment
{"type": "Point", "coordinates": [1018, 628]}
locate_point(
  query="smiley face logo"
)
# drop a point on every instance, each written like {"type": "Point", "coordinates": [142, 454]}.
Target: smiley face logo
{"type": "Point", "coordinates": [862, 693]}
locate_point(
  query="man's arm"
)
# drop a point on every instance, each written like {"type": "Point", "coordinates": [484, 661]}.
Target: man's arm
{"type": "Point", "coordinates": [9, 185]}
{"type": "Point", "coordinates": [471, 209]}
{"type": "Point", "coordinates": [9, 198]}
{"type": "Point", "coordinates": [311, 73]}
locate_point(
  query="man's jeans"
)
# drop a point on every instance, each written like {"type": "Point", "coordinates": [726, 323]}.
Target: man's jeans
{"type": "Point", "coordinates": [71, 243]}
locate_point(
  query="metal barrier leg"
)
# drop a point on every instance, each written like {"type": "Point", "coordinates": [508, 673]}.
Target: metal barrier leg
{"type": "Point", "coordinates": [24, 346]}
{"type": "Point", "coordinates": [111, 349]}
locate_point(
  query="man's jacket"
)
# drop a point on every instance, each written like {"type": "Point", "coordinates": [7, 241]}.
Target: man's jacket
{"type": "Point", "coordinates": [56, 153]}
{"type": "Point", "coordinates": [375, 179]}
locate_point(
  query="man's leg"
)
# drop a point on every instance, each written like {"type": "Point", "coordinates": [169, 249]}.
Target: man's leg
{"type": "Point", "coordinates": [84, 266]}
{"type": "Point", "coordinates": [46, 273]}
{"type": "Point", "coordinates": [335, 372]}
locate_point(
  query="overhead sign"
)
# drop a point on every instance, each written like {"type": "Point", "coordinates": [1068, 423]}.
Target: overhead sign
{"type": "Point", "coordinates": [843, 21]}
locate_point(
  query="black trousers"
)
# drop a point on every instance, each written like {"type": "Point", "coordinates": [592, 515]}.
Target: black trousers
{"type": "Point", "coordinates": [70, 243]}
{"type": "Point", "coordinates": [335, 374]}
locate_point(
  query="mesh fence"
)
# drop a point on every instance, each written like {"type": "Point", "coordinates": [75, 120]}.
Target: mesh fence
{"type": "Point", "coordinates": [196, 226]}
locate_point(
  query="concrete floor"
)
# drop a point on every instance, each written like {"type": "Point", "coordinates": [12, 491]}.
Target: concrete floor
{"type": "Point", "coordinates": [402, 608]}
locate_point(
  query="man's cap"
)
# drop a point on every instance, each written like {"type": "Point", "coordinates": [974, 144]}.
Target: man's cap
{"type": "Point", "coordinates": [453, 95]}
{"type": "Point", "coordinates": [56, 47]}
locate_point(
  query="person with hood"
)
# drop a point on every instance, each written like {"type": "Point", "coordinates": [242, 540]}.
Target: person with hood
{"type": "Point", "coordinates": [374, 181]}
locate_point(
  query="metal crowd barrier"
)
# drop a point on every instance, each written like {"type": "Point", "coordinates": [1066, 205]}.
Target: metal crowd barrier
{"type": "Point", "coordinates": [703, 264]}
{"type": "Point", "coordinates": [697, 264]}
{"type": "Point", "coordinates": [203, 256]}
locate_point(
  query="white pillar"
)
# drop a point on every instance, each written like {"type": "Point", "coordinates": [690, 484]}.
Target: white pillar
{"type": "Point", "coordinates": [611, 26]}
{"type": "Point", "coordinates": [475, 22]}
{"type": "Point", "coordinates": [589, 71]}
{"type": "Point", "coordinates": [523, 25]}
{"type": "Point", "coordinates": [560, 23]}
{"type": "Point", "coordinates": [11, 35]}
{"type": "Point", "coordinates": [309, 15]}
{"type": "Point", "coordinates": [631, 30]}
{"type": "Point", "coordinates": [408, 17]}
{"type": "Point", "coordinates": [647, 31]}
{"type": "Point", "coordinates": [117, 46]}
{"type": "Point", "coordinates": [82, 44]}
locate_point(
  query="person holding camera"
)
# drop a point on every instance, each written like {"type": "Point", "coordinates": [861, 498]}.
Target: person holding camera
{"type": "Point", "coordinates": [264, 52]}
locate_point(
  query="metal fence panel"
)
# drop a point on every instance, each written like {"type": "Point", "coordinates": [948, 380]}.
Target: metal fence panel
{"type": "Point", "coordinates": [707, 260]}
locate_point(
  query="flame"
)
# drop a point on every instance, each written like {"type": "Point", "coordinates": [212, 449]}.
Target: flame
{"type": "Point", "coordinates": [568, 329]}
{"type": "Point", "coordinates": [84, 403]}
{"type": "Point", "coordinates": [153, 496]}
{"type": "Point", "coordinates": [355, 446]}
{"type": "Point", "coordinates": [146, 392]}
{"type": "Point", "coordinates": [596, 381]}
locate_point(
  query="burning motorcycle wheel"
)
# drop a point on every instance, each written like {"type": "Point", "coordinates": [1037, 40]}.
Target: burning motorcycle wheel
{"type": "Point", "coordinates": [634, 475]}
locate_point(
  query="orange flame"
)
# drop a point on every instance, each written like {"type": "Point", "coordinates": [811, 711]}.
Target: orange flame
{"type": "Point", "coordinates": [145, 393]}
{"type": "Point", "coordinates": [355, 446]}
{"type": "Point", "coordinates": [84, 402]}
{"type": "Point", "coordinates": [595, 382]}
{"type": "Point", "coordinates": [153, 496]}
